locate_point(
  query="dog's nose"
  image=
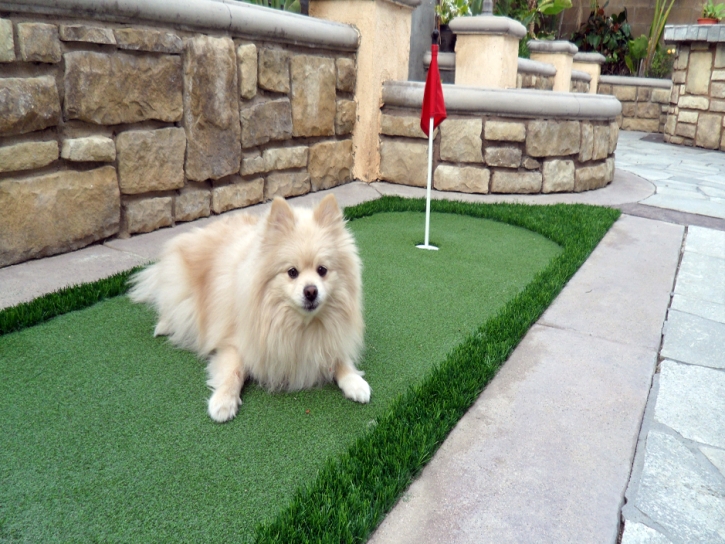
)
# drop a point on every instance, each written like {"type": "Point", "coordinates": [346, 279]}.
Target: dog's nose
{"type": "Point", "coordinates": [310, 292]}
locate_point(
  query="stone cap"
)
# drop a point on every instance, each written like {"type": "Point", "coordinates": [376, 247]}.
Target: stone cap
{"type": "Point", "coordinates": [509, 102]}
{"type": "Point", "coordinates": [487, 24]}
{"type": "Point", "coordinates": [528, 66]}
{"type": "Point", "coordinates": [238, 18]}
{"type": "Point", "coordinates": [637, 81]}
{"type": "Point", "coordinates": [412, 4]}
{"type": "Point", "coordinates": [552, 46]}
{"type": "Point", "coordinates": [446, 61]}
{"type": "Point", "coordinates": [590, 57]}
{"type": "Point", "coordinates": [580, 76]}
{"type": "Point", "coordinates": [694, 33]}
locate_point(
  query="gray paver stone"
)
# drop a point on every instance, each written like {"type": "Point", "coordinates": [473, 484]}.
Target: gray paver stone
{"type": "Point", "coordinates": [695, 340]}
{"type": "Point", "coordinates": [701, 276]}
{"type": "Point", "coordinates": [637, 533]}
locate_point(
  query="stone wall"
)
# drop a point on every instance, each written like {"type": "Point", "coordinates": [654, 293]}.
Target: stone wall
{"type": "Point", "coordinates": [645, 102]}
{"type": "Point", "coordinates": [111, 129]}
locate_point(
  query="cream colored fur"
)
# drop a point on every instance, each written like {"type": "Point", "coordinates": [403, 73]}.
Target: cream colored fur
{"type": "Point", "coordinates": [226, 292]}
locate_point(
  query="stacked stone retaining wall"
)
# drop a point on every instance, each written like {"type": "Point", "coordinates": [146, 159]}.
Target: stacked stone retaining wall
{"type": "Point", "coordinates": [645, 102]}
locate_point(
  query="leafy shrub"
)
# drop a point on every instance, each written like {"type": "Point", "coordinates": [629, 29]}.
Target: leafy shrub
{"type": "Point", "coordinates": [608, 35]}
{"type": "Point", "coordinates": [662, 63]}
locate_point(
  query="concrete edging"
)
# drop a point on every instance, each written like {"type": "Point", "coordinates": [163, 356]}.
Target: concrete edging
{"type": "Point", "coordinates": [636, 81]}
{"type": "Point", "coordinates": [487, 24]}
{"type": "Point", "coordinates": [694, 33]}
{"type": "Point", "coordinates": [590, 57]}
{"type": "Point", "coordinates": [552, 46]}
{"type": "Point", "coordinates": [528, 66]}
{"type": "Point", "coordinates": [580, 76]}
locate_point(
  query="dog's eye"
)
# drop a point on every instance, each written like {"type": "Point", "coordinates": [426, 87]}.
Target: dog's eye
{"type": "Point", "coordinates": [292, 273]}
{"type": "Point", "coordinates": [321, 270]}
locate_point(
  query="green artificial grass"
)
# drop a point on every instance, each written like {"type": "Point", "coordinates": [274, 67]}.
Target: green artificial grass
{"type": "Point", "coordinates": [104, 434]}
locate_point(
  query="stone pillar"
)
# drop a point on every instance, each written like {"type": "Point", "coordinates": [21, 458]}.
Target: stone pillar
{"type": "Point", "coordinates": [559, 53]}
{"type": "Point", "coordinates": [487, 51]}
{"type": "Point", "coordinates": [384, 27]}
{"type": "Point", "coordinates": [591, 63]}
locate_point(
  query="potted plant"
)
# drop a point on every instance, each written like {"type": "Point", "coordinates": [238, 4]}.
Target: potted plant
{"type": "Point", "coordinates": [711, 13]}
{"type": "Point", "coordinates": [447, 10]}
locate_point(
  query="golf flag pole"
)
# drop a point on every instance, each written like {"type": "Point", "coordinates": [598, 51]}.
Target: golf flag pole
{"type": "Point", "coordinates": [432, 114]}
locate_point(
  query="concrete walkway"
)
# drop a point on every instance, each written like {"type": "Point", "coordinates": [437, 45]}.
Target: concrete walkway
{"type": "Point", "coordinates": [547, 451]}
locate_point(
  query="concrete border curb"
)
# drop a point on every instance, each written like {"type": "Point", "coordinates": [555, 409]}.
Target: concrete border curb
{"type": "Point", "coordinates": [580, 76]}
{"type": "Point", "coordinates": [528, 66]}
{"type": "Point", "coordinates": [590, 57]}
{"type": "Point", "coordinates": [487, 24]}
{"type": "Point", "coordinates": [636, 81]}
{"type": "Point", "coordinates": [553, 46]}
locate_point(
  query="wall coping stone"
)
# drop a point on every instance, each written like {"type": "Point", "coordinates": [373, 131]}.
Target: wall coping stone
{"type": "Point", "coordinates": [510, 102]}
{"type": "Point", "coordinates": [636, 81]}
{"type": "Point", "coordinates": [447, 61]}
{"type": "Point", "coordinates": [238, 18]}
{"type": "Point", "coordinates": [552, 46]}
{"type": "Point", "coordinates": [412, 4]}
{"type": "Point", "coordinates": [487, 24]}
{"type": "Point", "coordinates": [590, 57]}
{"type": "Point", "coordinates": [694, 33]}
{"type": "Point", "coordinates": [580, 76]}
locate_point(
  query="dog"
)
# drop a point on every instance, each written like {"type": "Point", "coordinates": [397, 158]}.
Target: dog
{"type": "Point", "coordinates": [276, 299]}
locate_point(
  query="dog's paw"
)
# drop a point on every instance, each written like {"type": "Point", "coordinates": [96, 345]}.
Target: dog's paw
{"type": "Point", "coordinates": [355, 388]}
{"type": "Point", "coordinates": [223, 406]}
{"type": "Point", "coordinates": [162, 329]}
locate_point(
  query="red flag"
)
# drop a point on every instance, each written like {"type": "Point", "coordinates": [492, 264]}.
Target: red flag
{"type": "Point", "coordinates": [433, 104]}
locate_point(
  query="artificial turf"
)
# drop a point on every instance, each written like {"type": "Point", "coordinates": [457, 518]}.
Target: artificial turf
{"type": "Point", "coordinates": [104, 435]}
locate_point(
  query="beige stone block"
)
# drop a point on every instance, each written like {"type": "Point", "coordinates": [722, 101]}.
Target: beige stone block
{"type": "Point", "coordinates": [145, 39]}
{"type": "Point", "coordinates": [274, 71]}
{"type": "Point", "coordinates": [38, 42]}
{"type": "Point", "coordinates": [330, 164]}
{"type": "Point", "coordinates": [122, 88]}
{"type": "Point", "coordinates": [404, 162]}
{"type": "Point", "coordinates": [648, 110]}
{"type": "Point", "coordinates": [717, 90]}
{"type": "Point", "coordinates": [610, 169]}
{"type": "Point", "coordinates": [683, 56]}
{"type": "Point", "coordinates": [313, 96]}
{"type": "Point", "coordinates": [282, 158]}
{"type": "Point", "coordinates": [237, 195]}
{"type": "Point", "coordinates": [211, 108]}
{"type": "Point", "coordinates": [687, 116]}
{"type": "Point", "coordinates": [466, 179]}
{"type": "Point", "coordinates": [558, 176]}
{"type": "Point", "coordinates": [192, 203]}
{"type": "Point", "coordinates": [718, 75]}
{"type": "Point", "coordinates": [629, 109]}
{"type": "Point", "coordinates": [717, 105]}
{"type": "Point", "coordinates": [461, 140]}
{"type": "Point", "coordinates": [591, 177]}
{"type": "Point", "coordinates": [601, 142]}
{"type": "Point", "coordinates": [709, 128]}
{"type": "Point", "coordinates": [671, 124]}
{"type": "Point", "coordinates": [686, 131]}
{"type": "Point", "coordinates": [516, 182]}
{"type": "Point", "coordinates": [28, 104]}
{"type": "Point", "coordinates": [530, 164]}
{"type": "Point", "coordinates": [679, 76]}
{"type": "Point", "coordinates": [586, 149]}
{"type": "Point", "coordinates": [641, 125]}
{"type": "Point", "coordinates": [150, 160]}
{"type": "Point", "coordinates": [505, 131]}
{"type": "Point", "coordinates": [345, 115]}
{"type": "Point", "coordinates": [7, 43]}
{"type": "Point", "coordinates": [53, 213]}
{"type": "Point", "coordinates": [27, 155]}
{"type": "Point", "coordinates": [613, 137]}
{"type": "Point", "coordinates": [604, 89]}
{"type": "Point", "coordinates": [89, 149]}
{"type": "Point", "coordinates": [345, 70]}
{"type": "Point", "coordinates": [675, 94]}
{"type": "Point", "coordinates": [253, 163]}
{"type": "Point", "coordinates": [698, 73]}
{"type": "Point", "coordinates": [693, 102]}
{"type": "Point", "coordinates": [677, 140]}
{"type": "Point", "coordinates": [87, 33]}
{"type": "Point", "coordinates": [147, 215]}
{"type": "Point", "coordinates": [265, 122]}
{"type": "Point", "coordinates": [247, 58]}
{"type": "Point", "coordinates": [720, 56]}
{"type": "Point", "coordinates": [552, 138]}
{"type": "Point", "coordinates": [644, 94]}
{"type": "Point", "coordinates": [407, 126]}
{"type": "Point", "coordinates": [507, 157]}
{"type": "Point", "coordinates": [624, 92]}
{"type": "Point", "coordinates": [286, 184]}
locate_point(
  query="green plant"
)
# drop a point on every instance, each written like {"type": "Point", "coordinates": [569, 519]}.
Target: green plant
{"type": "Point", "coordinates": [656, 29]}
{"type": "Point", "coordinates": [286, 5]}
{"type": "Point", "coordinates": [450, 9]}
{"type": "Point", "coordinates": [713, 11]}
{"type": "Point", "coordinates": [662, 63]}
{"type": "Point", "coordinates": [637, 52]}
{"type": "Point", "coordinates": [608, 35]}
{"type": "Point", "coordinates": [533, 14]}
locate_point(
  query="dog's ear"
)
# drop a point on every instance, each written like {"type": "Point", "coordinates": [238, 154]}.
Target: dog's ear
{"type": "Point", "coordinates": [327, 213]}
{"type": "Point", "coordinates": [281, 217]}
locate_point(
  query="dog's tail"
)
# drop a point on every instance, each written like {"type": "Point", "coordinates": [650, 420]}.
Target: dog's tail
{"type": "Point", "coordinates": [144, 285]}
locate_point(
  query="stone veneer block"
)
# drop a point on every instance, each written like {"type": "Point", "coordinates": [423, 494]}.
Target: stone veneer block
{"type": "Point", "coordinates": [698, 73]}
{"type": "Point", "coordinates": [39, 42]}
{"type": "Point", "coordinates": [247, 59]}
{"type": "Point", "coordinates": [122, 88]}
{"type": "Point", "coordinates": [687, 116]}
{"type": "Point", "coordinates": [558, 176]}
{"type": "Point", "coordinates": [253, 163]}
{"type": "Point", "coordinates": [345, 80]}
{"type": "Point", "coordinates": [613, 136]}
{"type": "Point", "coordinates": [642, 125]}
{"type": "Point", "coordinates": [192, 203]}
{"type": "Point", "coordinates": [265, 122]}
{"type": "Point", "coordinates": [282, 158]}
{"type": "Point", "coordinates": [151, 160]}
{"type": "Point", "coordinates": [395, 125]}
{"type": "Point", "coordinates": [516, 182]}
{"type": "Point", "coordinates": [601, 142]}
{"type": "Point", "coordinates": [461, 140]}
{"type": "Point", "coordinates": [693, 102]}
{"type": "Point", "coordinates": [148, 214]}
{"type": "Point", "coordinates": [624, 92]}
{"type": "Point", "coordinates": [465, 179]}
{"type": "Point", "coordinates": [144, 39]}
{"type": "Point", "coordinates": [58, 212]}
{"type": "Point", "coordinates": [506, 157]}
{"type": "Point", "coordinates": [286, 184]}
{"type": "Point", "coordinates": [718, 75]}
{"type": "Point", "coordinates": [211, 108]}
{"type": "Point", "coordinates": [591, 177]}
{"type": "Point", "coordinates": [330, 164]}
{"type": "Point", "coordinates": [530, 164]}
{"type": "Point", "coordinates": [28, 104]}
{"type": "Point", "coordinates": [683, 56]}
{"type": "Point", "coordinates": [661, 96]}
{"type": "Point", "coordinates": [345, 117]}
{"type": "Point", "coordinates": [686, 131]}
{"type": "Point", "coordinates": [27, 155]}
{"type": "Point", "coordinates": [717, 90]}
{"type": "Point", "coordinates": [720, 56]}
{"type": "Point", "coordinates": [237, 195]}
{"type": "Point", "coordinates": [7, 43]}
{"type": "Point", "coordinates": [551, 138]}
{"type": "Point", "coordinates": [313, 96]}
{"type": "Point", "coordinates": [717, 106]}
{"type": "Point", "coordinates": [709, 128]}
{"type": "Point", "coordinates": [90, 149]}
{"type": "Point", "coordinates": [503, 131]}
{"type": "Point", "coordinates": [404, 162]}
{"type": "Point", "coordinates": [648, 110]}
{"type": "Point", "coordinates": [273, 71]}
{"type": "Point", "coordinates": [586, 150]}
{"type": "Point", "coordinates": [87, 33]}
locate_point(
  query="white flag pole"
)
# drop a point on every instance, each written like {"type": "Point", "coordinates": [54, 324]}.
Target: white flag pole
{"type": "Point", "coordinates": [426, 244]}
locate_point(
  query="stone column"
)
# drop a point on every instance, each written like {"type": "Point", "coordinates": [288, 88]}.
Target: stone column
{"type": "Point", "coordinates": [591, 63]}
{"type": "Point", "coordinates": [559, 53]}
{"type": "Point", "coordinates": [487, 51]}
{"type": "Point", "coordinates": [384, 27]}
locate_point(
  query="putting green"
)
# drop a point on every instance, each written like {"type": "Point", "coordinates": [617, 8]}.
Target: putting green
{"type": "Point", "coordinates": [104, 434]}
